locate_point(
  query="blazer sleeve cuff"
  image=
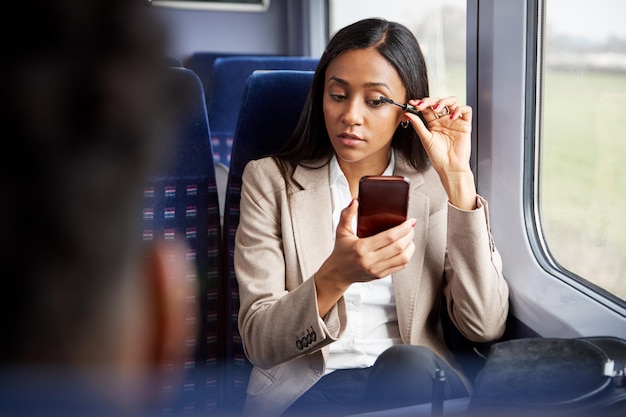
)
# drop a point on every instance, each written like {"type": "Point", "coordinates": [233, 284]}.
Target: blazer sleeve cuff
{"type": "Point", "coordinates": [335, 320]}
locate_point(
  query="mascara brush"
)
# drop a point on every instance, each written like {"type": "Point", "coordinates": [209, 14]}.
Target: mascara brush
{"type": "Point", "coordinates": [405, 107]}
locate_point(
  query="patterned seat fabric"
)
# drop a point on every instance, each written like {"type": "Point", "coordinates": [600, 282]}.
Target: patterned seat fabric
{"type": "Point", "coordinates": [181, 203]}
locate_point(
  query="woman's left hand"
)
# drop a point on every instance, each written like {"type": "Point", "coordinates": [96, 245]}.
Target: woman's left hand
{"type": "Point", "coordinates": [448, 143]}
{"type": "Point", "coordinates": [447, 139]}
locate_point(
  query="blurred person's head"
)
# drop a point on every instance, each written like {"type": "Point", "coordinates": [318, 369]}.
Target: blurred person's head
{"type": "Point", "coordinates": [83, 101]}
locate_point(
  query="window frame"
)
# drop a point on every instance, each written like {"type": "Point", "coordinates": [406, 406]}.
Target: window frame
{"type": "Point", "coordinates": [543, 297]}
{"type": "Point", "coordinates": [532, 173]}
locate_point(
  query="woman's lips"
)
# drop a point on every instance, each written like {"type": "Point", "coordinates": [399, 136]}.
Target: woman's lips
{"type": "Point", "coordinates": [350, 140]}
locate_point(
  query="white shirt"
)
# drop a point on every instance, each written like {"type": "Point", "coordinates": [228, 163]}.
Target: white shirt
{"type": "Point", "coordinates": [372, 324]}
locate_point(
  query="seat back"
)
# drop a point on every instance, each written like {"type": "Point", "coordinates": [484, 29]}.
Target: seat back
{"type": "Point", "coordinates": [202, 63]}
{"type": "Point", "coordinates": [181, 203]}
{"type": "Point", "coordinates": [270, 108]}
{"type": "Point", "coordinates": [229, 80]}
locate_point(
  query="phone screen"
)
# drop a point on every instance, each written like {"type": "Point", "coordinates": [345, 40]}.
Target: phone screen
{"type": "Point", "coordinates": [383, 203]}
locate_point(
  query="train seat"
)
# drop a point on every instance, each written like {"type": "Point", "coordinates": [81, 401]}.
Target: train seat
{"type": "Point", "coordinates": [227, 85]}
{"type": "Point", "coordinates": [270, 108]}
{"type": "Point", "coordinates": [202, 63]}
{"type": "Point", "coordinates": [181, 203]}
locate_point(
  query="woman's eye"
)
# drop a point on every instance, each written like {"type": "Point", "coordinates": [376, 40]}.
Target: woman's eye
{"type": "Point", "coordinates": [338, 97]}
{"type": "Point", "coordinates": [376, 102]}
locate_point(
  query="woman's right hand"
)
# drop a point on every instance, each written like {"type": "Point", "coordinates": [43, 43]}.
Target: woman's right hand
{"type": "Point", "coordinates": [356, 259]}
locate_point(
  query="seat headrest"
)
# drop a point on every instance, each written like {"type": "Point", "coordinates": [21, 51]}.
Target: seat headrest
{"type": "Point", "coordinates": [271, 106]}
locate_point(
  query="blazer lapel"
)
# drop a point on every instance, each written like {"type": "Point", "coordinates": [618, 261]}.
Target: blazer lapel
{"type": "Point", "coordinates": [407, 281]}
{"type": "Point", "coordinates": [311, 218]}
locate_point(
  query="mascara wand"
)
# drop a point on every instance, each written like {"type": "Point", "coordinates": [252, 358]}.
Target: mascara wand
{"type": "Point", "coordinates": [405, 107]}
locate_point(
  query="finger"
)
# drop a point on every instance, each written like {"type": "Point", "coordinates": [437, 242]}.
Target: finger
{"type": "Point", "coordinates": [401, 260]}
{"type": "Point", "coordinates": [434, 108]}
{"type": "Point", "coordinates": [347, 214]}
{"type": "Point", "coordinates": [394, 257]}
{"type": "Point", "coordinates": [394, 239]}
{"type": "Point", "coordinates": [461, 112]}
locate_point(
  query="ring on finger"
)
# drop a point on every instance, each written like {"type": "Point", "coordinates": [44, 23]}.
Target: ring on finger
{"type": "Point", "coordinates": [442, 113]}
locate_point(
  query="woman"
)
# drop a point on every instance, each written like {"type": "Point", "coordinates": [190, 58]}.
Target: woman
{"type": "Point", "coordinates": [335, 324]}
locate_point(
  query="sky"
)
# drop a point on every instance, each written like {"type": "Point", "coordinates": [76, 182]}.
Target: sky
{"type": "Point", "coordinates": [344, 12]}
{"type": "Point", "coordinates": [592, 19]}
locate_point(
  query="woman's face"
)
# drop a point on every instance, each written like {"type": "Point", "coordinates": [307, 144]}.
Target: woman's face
{"type": "Point", "coordinates": [359, 125]}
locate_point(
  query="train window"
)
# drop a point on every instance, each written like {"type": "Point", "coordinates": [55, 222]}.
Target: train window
{"type": "Point", "coordinates": [220, 5]}
{"type": "Point", "coordinates": [439, 27]}
{"type": "Point", "coordinates": [581, 191]}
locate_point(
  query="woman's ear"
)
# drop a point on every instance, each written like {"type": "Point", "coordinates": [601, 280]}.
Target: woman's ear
{"type": "Point", "coordinates": [173, 295]}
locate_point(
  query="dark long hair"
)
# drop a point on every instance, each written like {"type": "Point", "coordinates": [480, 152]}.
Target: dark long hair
{"type": "Point", "coordinates": [400, 48]}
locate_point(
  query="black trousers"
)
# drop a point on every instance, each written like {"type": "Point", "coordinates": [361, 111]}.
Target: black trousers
{"type": "Point", "coordinates": [403, 375]}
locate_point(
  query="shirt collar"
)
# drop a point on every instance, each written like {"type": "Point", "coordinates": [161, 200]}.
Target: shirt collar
{"type": "Point", "coordinates": [336, 173]}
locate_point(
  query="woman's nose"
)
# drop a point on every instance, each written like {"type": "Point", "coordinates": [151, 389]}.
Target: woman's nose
{"type": "Point", "coordinates": [353, 113]}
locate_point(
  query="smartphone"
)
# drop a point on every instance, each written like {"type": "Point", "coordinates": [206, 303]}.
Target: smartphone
{"type": "Point", "coordinates": [383, 203]}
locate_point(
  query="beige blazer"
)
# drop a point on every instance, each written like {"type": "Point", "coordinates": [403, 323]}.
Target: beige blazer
{"type": "Point", "coordinates": [282, 240]}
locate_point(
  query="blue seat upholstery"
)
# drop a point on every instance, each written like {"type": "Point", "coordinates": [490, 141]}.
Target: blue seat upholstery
{"type": "Point", "coordinates": [202, 62]}
{"type": "Point", "coordinates": [181, 203]}
{"type": "Point", "coordinates": [229, 80]}
{"type": "Point", "coordinates": [270, 108]}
